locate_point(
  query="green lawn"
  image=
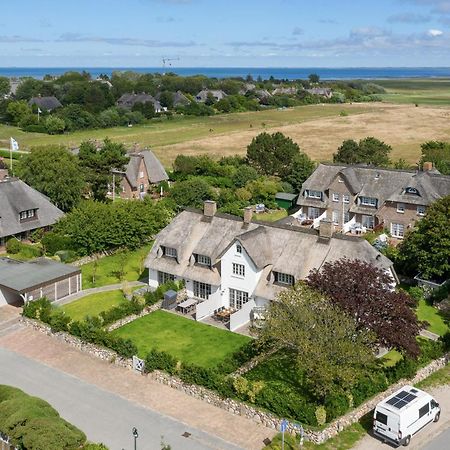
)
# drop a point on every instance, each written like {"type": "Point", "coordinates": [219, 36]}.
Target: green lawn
{"type": "Point", "coordinates": [439, 378]}
{"type": "Point", "coordinates": [189, 341]}
{"type": "Point", "coordinates": [431, 315]}
{"type": "Point", "coordinates": [272, 216]}
{"type": "Point", "coordinates": [108, 268]}
{"type": "Point", "coordinates": [391, 358]}
{"type": "Point", "coordinates": [94, 304]}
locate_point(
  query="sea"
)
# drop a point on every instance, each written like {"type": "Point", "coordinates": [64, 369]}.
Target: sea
{"type": "Point", "coordinates": [342, 73]}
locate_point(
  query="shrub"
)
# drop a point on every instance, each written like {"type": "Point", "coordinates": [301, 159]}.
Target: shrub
{"type": "Point", "coordinates": [157, 360]}
{"type": "Point", "coordinates": [54, 242]}
{"type": "Point", "coordinates": [59, 321]}
{"type": "Point", "coordinates": [336, 405]}
{"type": "Point", "coordinates": [121, 311]}
{"type": "Point", "coordinates": [446, 341]}
{"type": "Point", "coordinates": [405, 368]}
{"type": "Point", "coordinates": [38, 309]}
{"type": "Point", "coordinates": [321, 415]}
{"type": "Point", "coordinates": [368, 386]}
{"type": "Point", "coordinates": [13, 246]}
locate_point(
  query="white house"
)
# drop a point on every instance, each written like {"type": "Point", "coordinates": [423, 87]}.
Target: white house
{"type": "Point", "coordinates": [233, 263]}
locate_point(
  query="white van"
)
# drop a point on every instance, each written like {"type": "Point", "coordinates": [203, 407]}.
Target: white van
{"type": "Point", "coordinates": [404, 413]}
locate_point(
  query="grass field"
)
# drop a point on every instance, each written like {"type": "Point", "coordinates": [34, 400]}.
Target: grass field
{"type": "Point", "coordinates": [94, 304]}
{"type": "Point", "coordinates": [439, 378]}
{"type": "Point", "coordinates": [188, 341]}
{"type": "Point", "coordinates": [430, 314]}
{"type": "Point", "coordinates": [108, 268]}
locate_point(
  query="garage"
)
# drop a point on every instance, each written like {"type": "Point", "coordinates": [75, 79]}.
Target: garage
{"type": "Point", "coordinates": [22, 281]}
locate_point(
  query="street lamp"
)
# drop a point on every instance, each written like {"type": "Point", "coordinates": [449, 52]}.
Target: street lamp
{"type": "Point", "coordinates": [135, 435]}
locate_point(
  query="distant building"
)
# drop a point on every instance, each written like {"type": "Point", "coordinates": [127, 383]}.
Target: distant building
{"type": "Point", "coordinates": [359, 198]}
{"type": "Point", "coordinates": [202, 96]}
{"type": "Point", "coordinates": [143, 170]}
{"type": "Point", "coordinates": [23, 210]}
{"type": "Point", "coordinates": [285, 91]}
{"type": "Point", "coordinates": [127, 101]}
{"type": "Point", "coordinates": [45, 103]}
{"type": "Point", "coordinates": [321, 92]}
{"type": "Point", "coordinates": [178, 99]}
{"type": "Point", "coordinates": [248, 87]}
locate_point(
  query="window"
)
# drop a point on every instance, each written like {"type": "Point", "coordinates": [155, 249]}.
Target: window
{"type": "Point", "coordinates": [382, 418]}
{"type": "Point", "coordinates": [397, 230]}
{"type": "Point", "coordinates": [141, 188]}
{"type": "Point", "coordinates": [313, 213]}
{"type": "Point", "coordinates": [411, 190]}
{"type": "Point", "coordinates": [315, 194]}
{"type": "Point", "coordinates": [421, 210]}
{"type": "Point", "coordinates": [239, 269]}
{"type": "Point", "coordinates": [346, 198]}
{"type": "Point", "coordinates": [28, 214]}
{"type": "Point", "coordinates": [335, 197]}
{"type": "Point", "coordinates": [238, 248]}
{"type": "Point", "coordinates": [203, 260]}
{"type": "Point", "coordinates": [424, 410]}
{"type": "Point", "coordinates": [170, 252]}
{"type": "Point", "coordinates": [202, 290]}
{"type": "Point", "coordinates": [368, 222]}
{"type": "Point", "coordinates": [368, 201]}
{"type": "Point", "coordinates": [400, 208]}
{"type": "Point", "coordinates": [335, 217]}
{"type": "Point", "coordinates": [164, 277]}
{"type": "Point", "coordinates": [238, 298]}
{"type": "Point", "coordinates": [141, 174]}
{"type": "Point", "coordinates": [284, 278]}
{"type": "Point", "coordinates": [346, 216]}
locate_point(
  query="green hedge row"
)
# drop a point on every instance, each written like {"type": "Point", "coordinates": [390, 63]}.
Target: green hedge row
{"type": "Point", "coordinates": [31, 423]}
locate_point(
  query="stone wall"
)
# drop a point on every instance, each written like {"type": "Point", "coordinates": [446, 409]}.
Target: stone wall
{"type": "Point", "coordinates": [88, 259]}
{"type": "Point", "coordinates": [233, 406]}
{"type": "Point", "coordinates": [147, 310]}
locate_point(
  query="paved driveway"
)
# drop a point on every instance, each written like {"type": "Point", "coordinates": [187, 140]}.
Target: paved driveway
{"type": "Point", "coordinates": [103, 416]}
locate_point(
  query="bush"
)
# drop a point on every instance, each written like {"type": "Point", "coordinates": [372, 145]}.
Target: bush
{"type": "Point", "coordinates": [121, 311]}
{"type": "Point", "coordinates": [336, 405]}
{"type": "Point", "coordinates": [13, 246]}
{"type": "Point", "coordinates": [446, 341]}
{"type": "Point", "coordinates": [157, 360]}
{"type": "Point", "coordinates": [35, 129]}
{"type": "Point", "coordinates": [54, 242]}
{"type": "Point", "coordinates": [321, 415]}
{"type": "Point", "coordinates": [38, 309]}
{"type": "Point", "coordinates": [55, 125]}
{"type": "Point", "coordinates": [59, 321]}
{"type": "Point", "coordinates": [368, 386]}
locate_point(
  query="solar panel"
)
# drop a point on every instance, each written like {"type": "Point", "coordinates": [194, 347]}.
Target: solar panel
{"type": "Point", "coordinates": [401, 399]}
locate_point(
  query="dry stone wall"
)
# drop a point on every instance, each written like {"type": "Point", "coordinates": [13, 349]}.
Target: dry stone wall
{"type": "Point", "coordinates": [233, 406]}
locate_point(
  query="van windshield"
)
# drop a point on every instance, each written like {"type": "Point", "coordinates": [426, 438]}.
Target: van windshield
{"type": "Point", "coordinates": [382, 418]}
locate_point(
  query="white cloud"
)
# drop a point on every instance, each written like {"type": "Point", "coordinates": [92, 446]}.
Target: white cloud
{"type": "Point", "coordinates": [434, 33]}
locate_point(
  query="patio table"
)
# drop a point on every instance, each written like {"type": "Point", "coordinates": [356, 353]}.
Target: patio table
{"type": "Point", "coordinates": [187, 306]}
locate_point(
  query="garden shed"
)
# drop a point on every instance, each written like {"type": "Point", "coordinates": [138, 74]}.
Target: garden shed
{"type": "Point", "coordinates": [285, 200]}
{"type": "Point", "coordinates": [22, 281]}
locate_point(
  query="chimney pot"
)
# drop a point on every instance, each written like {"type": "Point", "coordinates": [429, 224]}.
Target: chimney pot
{"type": "Point", "coordinates": [326, 229]}
{"type": "Point", "coordinates": [427, 165]}
{"type": "Point", "coordinates": [209, 208]}
{"type": "Point", "coordinates": [248, 214]}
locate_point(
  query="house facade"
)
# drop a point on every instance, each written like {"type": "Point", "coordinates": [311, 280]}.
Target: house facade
{"type": "Point", "coordinates": [229, 262]}
{"type": "Point", "coordinates": [217, 94]}
{"type": "Point", "coordinates": [361, 198]}
{"type": "Point", "coordinates": [127, 101]}
{"type": "Point", "coordinates": [143, 171]}
{"type": "Point", "coordinates": [24, 210]}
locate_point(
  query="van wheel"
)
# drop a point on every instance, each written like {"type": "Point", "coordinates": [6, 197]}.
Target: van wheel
{"type": "Point", "coordinates": [437, 417]}
{"type": "Point", "coordinates": [406, 441]}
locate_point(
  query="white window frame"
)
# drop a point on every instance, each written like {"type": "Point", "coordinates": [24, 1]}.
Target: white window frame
{"type": "Point", "coordinates": [346, 198]}
{"type": "Point", "coordinates": [368, 221]}
{"type": "Point", "coordinates": [398, 230]}
{"type": "Point", "coordinates": [164, 277]}
{"type": "Point", "coordinates": [346, 216]}
{"type": "Point", "coordinates": [30, 213]}
{"type": "Point", "coordinates": [239, 269]}
{"type": "Point", "coordinates": [170, 252]}
{"type": "Point", "coordinates": [238, 298]}
{"type": "Point", "coordinates": [315, 194]}
{"type": "Point", "coordinates": [313, 213]}
{"type": "Point", "coordinates": [23, 215]}
{"type": "Point", "coordinates": [335, 196]}
{"type": "Point", "coordinates": [203, 260]}
{"type": "Point", "coordinates": [202, 290]}
{"type": "Point", "coordinates": [421, 210]}
{"type": "Point", "coordinates": [368, 201]}
{"type": "Point", "coordinates": [284, 278]}
{"type": "Point", "coordinates": [401, 208]}
{"type": "Point", "coordinates": [335, 217]}
{"type": "Point", "coordinates": [238, 248]}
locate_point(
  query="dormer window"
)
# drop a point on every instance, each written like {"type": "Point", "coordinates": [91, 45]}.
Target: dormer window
{"type": "Point", "coordinates": [170, 252]}
{"type": "Point", "coordinates": [421, 210]}
{"type": "Point", "coordinates": [238, 248]}
{"type": "Point", "coordinates": [368, 201]}
{"type": "Point", "coordinates": [284, 279]}
{"type": "Point", "coordinates": [335, 197]}
{"type": "Point", "coordinates": [315, 194]}
{"type": "Point", "coordinates": [28, 214]}
{"type": "Point", "coordinates": [411, 190]}
{"type": "Point", "coordinates": [203, 260]}
{"type": "Point", "coordinates": [400, 208]}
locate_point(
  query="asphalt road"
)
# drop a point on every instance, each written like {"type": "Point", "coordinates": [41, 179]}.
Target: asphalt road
{"type": "Point", "coordinates": [103, 416]}
{"type": "Point", "coordinates": [441, 442]}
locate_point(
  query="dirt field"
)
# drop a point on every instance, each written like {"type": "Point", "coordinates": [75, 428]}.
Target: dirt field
{"type": "Point", "coordinates": [404, 127]}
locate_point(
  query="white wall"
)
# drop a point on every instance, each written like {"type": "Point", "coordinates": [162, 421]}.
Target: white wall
{"type": "Point", "coordinates": [242, 316]}
{"type": "Point", "coordinates": [207, 308]}
{"type": "Point", "coordinates": [153, 278]}
{"type": "Point", "coordinates": [247, 283]}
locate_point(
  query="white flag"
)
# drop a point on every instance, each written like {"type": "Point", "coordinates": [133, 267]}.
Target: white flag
{"type": "Point", "coordinates": [14, 145]}
{"type": "Point", "coordinates": [39, 110]}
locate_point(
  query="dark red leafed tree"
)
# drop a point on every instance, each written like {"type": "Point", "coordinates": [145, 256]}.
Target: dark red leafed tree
{"type": "Point", "coordinates": [364, 292]}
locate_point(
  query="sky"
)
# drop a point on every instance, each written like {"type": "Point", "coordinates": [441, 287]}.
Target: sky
{"type": "Point", "coordinates": [225, 33]}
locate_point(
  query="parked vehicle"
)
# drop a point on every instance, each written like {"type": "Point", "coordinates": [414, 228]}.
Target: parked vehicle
{"type": "Point", "coordinates": [401, 415]}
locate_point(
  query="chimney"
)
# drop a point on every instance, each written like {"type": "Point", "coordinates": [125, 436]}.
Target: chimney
{"type": "Point", "coordinates": [326, 229]}
{"type": "Point", "coordinates": [209, 208]}
{"type": "Point", "coordinates": [427, 165]}
{"type": "Point", "coordinates": [248, 214]}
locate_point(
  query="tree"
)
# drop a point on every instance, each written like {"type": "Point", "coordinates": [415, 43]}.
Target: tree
{"type": "Point", "coordinates": [426, 249]}
{"type": "Point", "coordinates": [323, 341]}
{"type": "Point", "coordinates": [147, 109]}
{"type": "Point", "coordinates": [16, 111]}
{"type": "Point", "coordinates": [192, 192]}
{"type": "Point", "coordinates": [243, 175]}
{"type": "Point", "coordinates": [313, 78]}
{"type": "Point", "coordinates": [54, 125]}
{"type": "Point", "coordinates": [98, 163]}
{"type": "Point", "coordinates": [55, 172]}
{"type": "Point", "coordinates": [166, 99]}
{"type": "Point", "coordinates": [4, 86]}
{"type": "Point", "coordinates": [301, 170]}
{"type": "Point", "coordinates": [272, 154]}
{"type": "Point", "coordinates": [438, 153]}
{"type": "Point", "coordinates": [364, 292]}
{"type": "Point", "coordinates": [368, 151]}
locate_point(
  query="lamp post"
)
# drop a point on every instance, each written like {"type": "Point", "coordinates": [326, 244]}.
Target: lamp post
{"type": "Point", "coordinates": [135, 435]}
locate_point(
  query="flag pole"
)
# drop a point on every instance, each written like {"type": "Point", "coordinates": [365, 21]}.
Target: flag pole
{"type": "Point", "coordinates": [10, 156]}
